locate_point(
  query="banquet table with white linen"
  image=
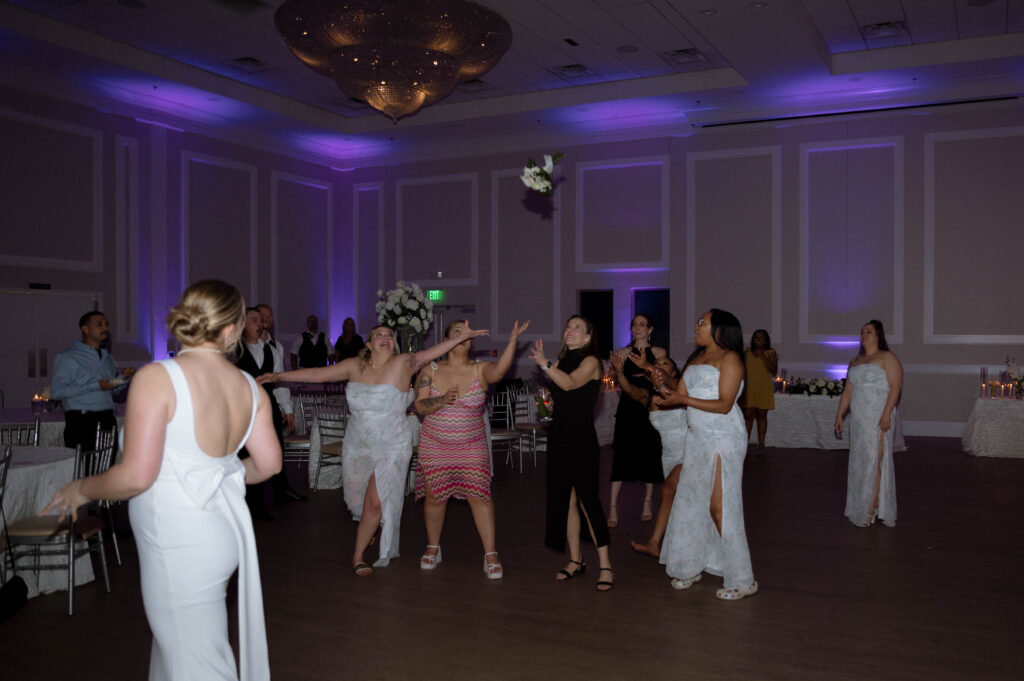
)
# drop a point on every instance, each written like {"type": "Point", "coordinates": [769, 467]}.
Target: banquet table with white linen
{"type": "Point", "coordinates": [995, 428]}
{"type": "Point", "coordinates": [808, 422]}
{"type": "Point", "coordinates": [51, 423]}
{"type": "Point", "coordinates": [34, 475]}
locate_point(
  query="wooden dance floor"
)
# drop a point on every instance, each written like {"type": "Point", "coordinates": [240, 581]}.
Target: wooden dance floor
{"type": "Point", "coordinates": [940, 596]}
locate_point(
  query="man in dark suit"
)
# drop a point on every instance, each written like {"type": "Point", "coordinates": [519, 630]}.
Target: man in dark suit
{"type": "Point", "coordinates": [256, 359]}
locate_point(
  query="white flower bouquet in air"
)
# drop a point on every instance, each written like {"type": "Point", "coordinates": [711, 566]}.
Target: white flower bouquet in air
{"type": "Point", "coordinates": [405, 308]}
{"type": "Point", "coordinates": [539, 178]}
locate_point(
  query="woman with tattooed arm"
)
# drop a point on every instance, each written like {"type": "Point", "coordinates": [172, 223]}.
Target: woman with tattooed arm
{"type": "Point", "coordinates": [453, 456]}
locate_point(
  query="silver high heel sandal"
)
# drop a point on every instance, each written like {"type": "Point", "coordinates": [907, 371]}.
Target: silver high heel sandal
{"type": "Point", "coordinates": [492, 570]}
{"type": "Point", "coordinates": [430, 562]}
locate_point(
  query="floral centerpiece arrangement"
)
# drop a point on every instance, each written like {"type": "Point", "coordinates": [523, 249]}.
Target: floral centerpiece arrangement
{"type": "Point", "coordinates": [816, 386]}
{"type": "Point", "coordinates": [405, 309]}
{"type": "Point", "coordinates": [538, 178]}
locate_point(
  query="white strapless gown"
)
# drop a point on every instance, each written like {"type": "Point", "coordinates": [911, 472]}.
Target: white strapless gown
{"type": "Point", "coordinates": [692, 543]}
{"type": "Point", "coordinates": [867, 401]}
{"type": "Point", "coordinates": [193, 529]}
{"type": "Point", "coordinates": [378, 441]}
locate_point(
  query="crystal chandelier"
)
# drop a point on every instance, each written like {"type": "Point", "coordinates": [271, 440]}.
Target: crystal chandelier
{"type": "Point", "coordinates": [396, 55]}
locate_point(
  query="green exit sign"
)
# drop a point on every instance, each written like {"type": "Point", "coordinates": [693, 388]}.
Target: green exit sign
{"type": "Point", "coordinates": [435, 295]}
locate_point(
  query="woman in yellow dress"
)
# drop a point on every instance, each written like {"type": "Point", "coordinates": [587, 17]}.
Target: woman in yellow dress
{"type": "Point", "coordinates": [759, 397]}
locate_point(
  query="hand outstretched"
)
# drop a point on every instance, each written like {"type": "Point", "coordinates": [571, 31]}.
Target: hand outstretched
{"type": "Point", "coordinates": [537, 352]}
{"type": "Point", "coordinates": [67, 499]}
{"type": "Point", "coordinates": [517, 329]}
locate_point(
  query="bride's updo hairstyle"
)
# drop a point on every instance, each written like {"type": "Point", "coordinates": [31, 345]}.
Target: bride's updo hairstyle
{"type": "Point", "coordinates": [204, 310]}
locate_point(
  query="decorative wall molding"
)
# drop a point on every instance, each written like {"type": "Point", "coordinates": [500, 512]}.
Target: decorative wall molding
{"type": "Point", "coordinates": [895, 326]}
{"type": "Point", "coordinates": [930, 337]}
{"type": "Point", "coordinates": [666, 227]}
{"type": "Point", "coordinates": [358, 189]}
{"type": "Point", "coordinates": [775, 153]}
{"type": "Point", "coordinates": [276, 177]}
{"type": "Point", "coordinates": [474, 237]}
{"type": "Point", "coordinates": [556, 259]}
{"type": "Point", "coordinates": [188, 157]}
{"type": "Point", "coordinates": [95, 264]}
{"type": "Point", "coordinates": [126, 237]}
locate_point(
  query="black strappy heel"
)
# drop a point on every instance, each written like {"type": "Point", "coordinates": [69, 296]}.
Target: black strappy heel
{"type": "Point", "coordinates": [582, 568]}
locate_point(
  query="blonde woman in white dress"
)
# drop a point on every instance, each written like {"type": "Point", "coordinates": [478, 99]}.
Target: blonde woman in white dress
{"type": "Point", "coordinates": [186, 420]}
{"type": "Point", "coordinates": [873, 385]}
{"type": "Point", "coordinates": [378, 440]}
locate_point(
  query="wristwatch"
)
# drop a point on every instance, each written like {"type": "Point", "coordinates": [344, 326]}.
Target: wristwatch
{"type": "Point", "coordinates": [548, 365]}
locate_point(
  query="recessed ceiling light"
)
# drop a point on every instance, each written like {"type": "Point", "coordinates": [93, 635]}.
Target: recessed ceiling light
{"type": "Point", "coordinates": [885, 29]}
{"type": "Point", "coordinates": [684, 56]}
{"type": "Point", "coordinates": [709, 12]}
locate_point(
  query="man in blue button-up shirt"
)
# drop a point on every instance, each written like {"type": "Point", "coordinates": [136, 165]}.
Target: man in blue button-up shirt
{"type": "Point", "coordinates": [85, 378]}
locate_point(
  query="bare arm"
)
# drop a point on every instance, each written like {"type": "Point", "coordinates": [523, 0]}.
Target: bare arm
{"type": "Point", "coordinates": [771, 361]}
{"type": "Point", "coordinates": [151, 404]}
{"type": "Point", "coordinates": [414, 361]}
{"type": "Point", "coordinates": [342, 371]}
{"type": "Point", "coordinates": [844, 402]}
{"type": "Point", "coordinates": [263, 446]}
{"type": "Point", "coordinates": [492, 372]}
{"type": "Point", "coordinates": [894, 374]}
{"type": "Point", "coordinates": [588, 370]}
{"type": "Point", "coordinates": [730, 377]}
{"type": "Point", "coordinates": [425, 404]}
{"type": "Point", "coordinates": [634, 392]}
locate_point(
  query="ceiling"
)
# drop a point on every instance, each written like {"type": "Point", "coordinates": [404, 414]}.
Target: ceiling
{"type": "Point", "coordinates": [578, 70]}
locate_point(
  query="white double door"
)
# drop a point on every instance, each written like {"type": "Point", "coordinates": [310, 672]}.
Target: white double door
{"type": "Point", "coordinates": [37, 325]}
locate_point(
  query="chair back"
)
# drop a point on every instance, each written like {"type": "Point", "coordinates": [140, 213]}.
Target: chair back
{"type": "Point", "coordinates": [98, 460]}
{"type": "Point", "coordinates": [309, 402]}
{"type": "Point", "coordinates": [331, 420]}
{"type": "Point", "coordinates": [502, 410]}
{"type": "Point", "coordinates": [5, 463]}
{"type": "Point", "coordinates": [20, 433]}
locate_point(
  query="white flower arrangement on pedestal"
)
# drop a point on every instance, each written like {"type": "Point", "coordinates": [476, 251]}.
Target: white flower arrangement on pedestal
{"type": "Point", "coordinates": [538, 178]}
{"type": "Point", "coordinates": [405, 308]}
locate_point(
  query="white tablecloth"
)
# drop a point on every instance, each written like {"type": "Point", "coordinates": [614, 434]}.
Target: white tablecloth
{"type": "Point", "coordinates": [995, 428]}
{"type": "Point", "coordinates": [51, 423]}
{"type": "Point", "coordinates": [35, 474]}
{"type": "Point", "coordinates": [808, 422]}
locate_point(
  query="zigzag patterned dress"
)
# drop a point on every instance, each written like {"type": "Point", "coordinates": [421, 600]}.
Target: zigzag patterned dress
{"type": "Point", "coordinates": [453, 456]}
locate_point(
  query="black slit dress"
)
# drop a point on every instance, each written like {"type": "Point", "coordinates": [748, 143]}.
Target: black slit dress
{"type": "Point", "coordinates": [572, 459]}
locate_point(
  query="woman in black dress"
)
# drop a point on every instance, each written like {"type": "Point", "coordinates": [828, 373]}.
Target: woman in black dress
{"type": "Point", "coordinates": [573, 451]}
{"type": "Point", "coordinates": [637, 445]}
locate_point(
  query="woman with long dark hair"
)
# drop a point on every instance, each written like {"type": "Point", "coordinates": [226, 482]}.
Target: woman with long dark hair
{"type": "Point", "coordinates": [636, 446]}
{"type": "Point", "coordinates": [873, 385]}
{"type": "Point", "coordinates": [758, 396]}
{"type": "Point", "coordinates": [705, 529]}
{"type": "Point", "coordinates": [573, 451]}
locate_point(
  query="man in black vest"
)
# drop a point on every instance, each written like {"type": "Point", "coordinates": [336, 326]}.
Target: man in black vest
{"type": "Point", "coordinates": [312, 349]}
{"type": "Point", "coordinates": [256, 359]}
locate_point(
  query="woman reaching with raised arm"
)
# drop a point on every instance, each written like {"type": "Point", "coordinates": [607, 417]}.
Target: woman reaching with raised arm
{"type": "Point", "coordinates": [573, 451]}
{"type": "Point", "coordinates": [873, 385]}
{"type": "Point", "coordinates": [454, 459]}
{"type": "Point", "coordinates": [187, 418]}
{"type": "Point", "coordinates": [378, 440]}
{"type": "Point", "coordinates": [705, 530]}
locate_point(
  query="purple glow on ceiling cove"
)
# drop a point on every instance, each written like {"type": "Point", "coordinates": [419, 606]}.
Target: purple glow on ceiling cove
{"type": "Point", "coordinates": [174, 98]}
{"type": "Point", "coordinates": [337, 145]}
{"type": "Point", "coordinates": [619, 114]}
{"type": "Point", "coordinates": [841, 343]}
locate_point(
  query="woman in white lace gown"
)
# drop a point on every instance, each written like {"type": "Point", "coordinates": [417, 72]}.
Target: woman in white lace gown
{"type": "Point", "coordinates": [705, 531]}
{"type": "Point", "coordinates": [873, 385]}
{"type": "Point", "coordinates": [378, 440]}
{"type": "Point", "coordinates": [186, 420]}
